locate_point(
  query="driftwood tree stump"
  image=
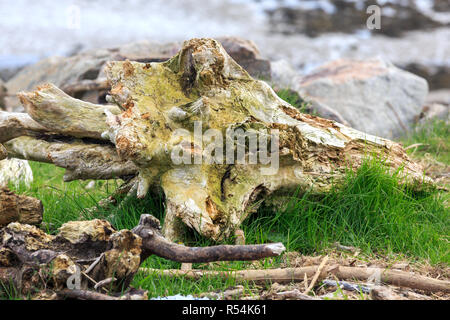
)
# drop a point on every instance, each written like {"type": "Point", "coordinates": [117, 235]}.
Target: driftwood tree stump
{"type": "Point", "coordinates": [88, 258]}
{"type": "Point", "coordinates": [175, 110]}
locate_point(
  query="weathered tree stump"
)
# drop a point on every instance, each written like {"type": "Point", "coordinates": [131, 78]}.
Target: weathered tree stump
{"type": "Point", "coordinates": [173, 126]}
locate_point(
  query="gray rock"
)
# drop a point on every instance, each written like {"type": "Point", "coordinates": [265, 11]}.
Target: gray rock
{"type": "Point", "coordinates": [372, 95]}
{"type": "Point", "coordinates": [283, 74]}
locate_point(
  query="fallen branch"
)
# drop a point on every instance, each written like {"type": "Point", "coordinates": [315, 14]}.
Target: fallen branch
{"type": "Point", "coordinates": [52, 108]}
{"type": "Point", "coordinates": [155, 243]}
{"type": "Point", "coordinates": [316, 275]}
{"type": "Point", "coordinates": [392, 277]}
{"type": "Point", "coordinates": [264, 275]}
{"type": "Point", "coordinates": [81, 160]}
{"type": "Point", "coordinates": [84, 295]}
{"type": "Point", "coordinates": [16, 124]}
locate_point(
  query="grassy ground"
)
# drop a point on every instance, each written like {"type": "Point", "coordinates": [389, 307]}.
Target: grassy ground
{"type": "Point", "coordinates": [429, 144]}
{"type": "Point", "coordinates": [371, 212]}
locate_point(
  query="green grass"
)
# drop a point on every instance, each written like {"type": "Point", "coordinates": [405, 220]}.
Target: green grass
{"type": "Point", "coordinates": [433, 137]}
{"type": "Point", "coordinates": [371, 212]}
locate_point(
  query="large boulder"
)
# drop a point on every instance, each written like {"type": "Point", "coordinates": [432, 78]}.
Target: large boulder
{"type": "Point", "coordinates": [371, 95]}
{"type": "Point", "coordinates": [283, 74]}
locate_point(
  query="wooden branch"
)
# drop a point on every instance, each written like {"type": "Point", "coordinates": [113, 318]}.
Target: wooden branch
{"type": "Point", "coordinates": [19, 208]}
{"type": "Point", "coordinates": [316, 275]}
{"type": "Point", "coordinates": [265, 275]}
{"type": "Point", "coordinates": [54, 109]}
{"type": "Point", "coordinates": [392, 277]}
{"type": "Point", "coordinates": [86, 85]}
{"type": "Point", "coordinates": [16, 124]}
{"type": "Point", "coordinates": [104, 283]}
{"type": "Point", "coordinates": [84, 295]}
{"type": "Point", "coordinates": [155, 243]}
{"type": "Point", "coordinates": [82, 160]}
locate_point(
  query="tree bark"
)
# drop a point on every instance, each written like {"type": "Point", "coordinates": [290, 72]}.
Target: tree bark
{"type": "Point", "coordinates": [19, 208]}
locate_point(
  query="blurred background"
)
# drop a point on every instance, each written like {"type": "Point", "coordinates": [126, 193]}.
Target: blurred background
{"type": "Point", "coordinates": [415, 33]}
{"type": "Point", "coordinates": [346, 58]}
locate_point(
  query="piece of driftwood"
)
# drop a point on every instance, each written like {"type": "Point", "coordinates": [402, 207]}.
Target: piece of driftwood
{"type": "Point", "coordinates": [179, 107]}
{"type": "Point", "coordinates": [89, 255]}
{"type": "Point", "coordinates": [392, 277]}
{"type": "Point", "coordinates": [19, 208]}
{"type": "Point", "coordinates": [294, 295]}
{"type": "Point", "coordinates": [229, 294]}
{"type": "Point", "coordinates": [316, 275]}
{"type": "Point", "coordinates": [84, 295]}
{"type": "Point", "coordinates": [383, 293]}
